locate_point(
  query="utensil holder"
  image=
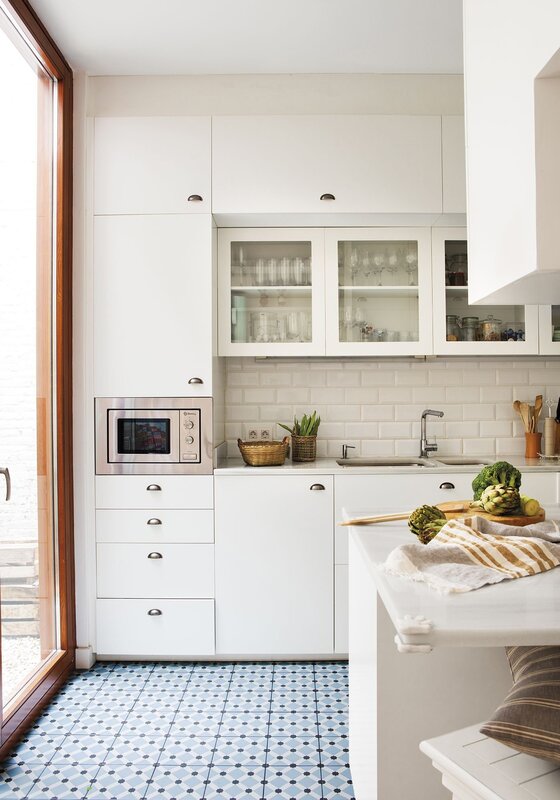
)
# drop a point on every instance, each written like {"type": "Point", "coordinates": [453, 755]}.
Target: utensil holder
{"type": "Point", "coordinates": [532, 445]}
{"type": "Point", "coordinates": [304, 448]}
{"type": "Point", "coordinates": [550, 436]}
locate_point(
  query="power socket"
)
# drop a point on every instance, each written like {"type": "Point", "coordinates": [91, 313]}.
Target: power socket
{"type": "Point", "coordinates": [252, 433]}
{"type": "Point", "coordinates": [265, 433]}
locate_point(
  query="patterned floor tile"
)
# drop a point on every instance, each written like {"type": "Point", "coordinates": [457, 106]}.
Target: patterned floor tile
{"type": "Point", "coordinates": [294, 703]}
{"type": "Point", "coordinates": [211, 703]}
{"type": "Point", "coordinates": [16, 781]}
{"type": "Point", "coordinates": [177, 783]}
{"type": "Point", "coordinates": [338, 783]}
{"type": "Point", "coordinates": [63, 781]}
{"type": "Point", "coordinates": [101, 724]}
{"type": "Point", "coordinates": [246, 751]}
{"type": "Point", "coordinates": [135, 750]}
{"type": "Point", "coordinates": [293, 751]}
{"type": "Point", "coordinates": [114, 782]}
{"type": "Point", "coordinates": [146, 725]}
{"type": "Point", "coordinates": [162, 705]}
{"type": "Point", "coordinates": [186, 727]}
{"type": "Point", "coordinates": [291, 724]}
{"type": "Point", "coordinates": [83, 750]}
{"type": "Point", "coordinates": [255, 702]}
{"type": "Point", "coordinates": [335, 751]}
{"type": "Point", "coordinates": [336, 723]}
{"type": "Point", "coordinates": [186, 751]}
{"type": "Point", "coordinates": [248, 724]}
{"type": "Point", "coordinates": [294, 783]}
{"type": "Point", "coordinates": [232, 783]}
{"type": "Point", "coordinates": [35, 749]}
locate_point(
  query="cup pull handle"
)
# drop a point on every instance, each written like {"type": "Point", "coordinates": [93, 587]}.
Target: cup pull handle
{"type": "Point", "coordinates": [328, 196]}
{"type": "Point", "coordinates": [6, 473]}
{"type": "Point", "coordinates": [194, 198]}
{"type": "Point", "coordinates": [196, 380]}
{"type": "Point", "coordinates": [153, 521]}
{"type": "Point", "coordinates": [153, 487]}
{"type": "Point", "coordinates": [316, 487]}
{"type": "Point", "coordinates": [447, 485]}
{"type": "Point", "coordinates": [155, 612]}
{"type": "Point", "coordinates": [154, 556]}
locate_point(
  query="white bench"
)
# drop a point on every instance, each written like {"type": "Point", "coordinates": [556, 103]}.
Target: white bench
{"type": "Point", "coordinates": [474, 767]}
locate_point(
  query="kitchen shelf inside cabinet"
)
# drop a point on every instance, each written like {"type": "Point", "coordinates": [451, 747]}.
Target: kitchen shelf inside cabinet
{"type": "Point", "coordinates": [293, 291]}
{"type": "Point", "coordinates": [385, 291]}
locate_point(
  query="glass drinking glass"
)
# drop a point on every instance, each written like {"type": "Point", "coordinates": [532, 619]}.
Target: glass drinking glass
{"type": "Point", "coordinates": [299, 271]}
{"type": "Point", "coordinates": [367, 266]}
{"type": "Point", "coordinates": [411, 265]}
{"type": "Point", "coordinates": [271, 272]}
{"type": "Point", "coordinates": [354, 265]}
{"type": "Point", "coordinates": [285, 271]}
{"type": "Point", "coordinates": [293, 326]}
{"type": "Point", "coordinates": [378, 267]}
{"type": "Point", "coordinates": [260, 272]}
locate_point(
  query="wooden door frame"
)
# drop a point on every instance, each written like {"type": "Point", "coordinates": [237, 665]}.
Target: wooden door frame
{"type": "Point", "coordinates": [56, 670]}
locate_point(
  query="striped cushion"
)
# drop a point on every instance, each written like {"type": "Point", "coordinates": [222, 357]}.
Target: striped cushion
{"type": "Point", "coordinates": [529, 718]}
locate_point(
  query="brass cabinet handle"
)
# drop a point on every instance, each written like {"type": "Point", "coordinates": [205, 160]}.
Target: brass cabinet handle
{"type": "Point", "coordinates": [194, 198]}
{"type": "Point", "coordinates": [316, 487]}
{"type": "Point", "coordinates": [447, 485]}
{"type": "Point", "coordinates": [155, 612]}
{"type": "Point", "coordinates": [153, 487]}
{"type": "Point", "coordinates": [154, 521]}
{"type": "Point", "coordinates": [154, 556]}
{"type": "Point", "coordinates": [328, 196]}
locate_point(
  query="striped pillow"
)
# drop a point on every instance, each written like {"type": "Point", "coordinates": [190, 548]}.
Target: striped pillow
{"type": "Point", "coordinates": [529, 718]}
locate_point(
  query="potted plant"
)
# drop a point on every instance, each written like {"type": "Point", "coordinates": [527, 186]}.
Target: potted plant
{"type": "Point", "coordinates": [304, 437]}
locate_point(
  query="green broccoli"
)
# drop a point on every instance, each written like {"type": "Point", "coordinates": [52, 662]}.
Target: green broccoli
{"type": "Point", "coordinates": [493, 474]}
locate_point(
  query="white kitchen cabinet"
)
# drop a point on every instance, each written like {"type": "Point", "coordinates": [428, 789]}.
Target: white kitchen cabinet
{"type": "Point", "coordinates": [155, 570]}
{"type": "Point", "coordinates": [317, 164]}
{"type": "Point", "coordinates": [271, 291]}
{"type": "Point", "coordinates": [153, 305]}
{"type": "Point", "coordinates": [154, 492]}
{"type": "Point", "coordinates": [155, 628]}
{"type": "Point", "coordinates": [455, 321]}
{"type": "Point", "coordinates": [341, 608]}
{"type": "Point", "coordinates": [549, 328]}
{"type": "Point", "coordinates": [274, 565]}
{"type": "Point", "coordinates": [378, 291]}
{"type": "Point", "coordinates": [152, 526]}
{"type": "Point", "coordinates": [454, 168]}
{"type": "Point", "coordinates": [152, 165]}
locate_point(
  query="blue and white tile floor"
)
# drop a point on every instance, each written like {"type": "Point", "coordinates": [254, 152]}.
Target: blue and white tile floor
{"type": "Point", "coordinates": [181, 730]}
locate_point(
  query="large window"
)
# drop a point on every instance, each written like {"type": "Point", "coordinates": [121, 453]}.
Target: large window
{"type": "Point", "coordinates": [36, 585]}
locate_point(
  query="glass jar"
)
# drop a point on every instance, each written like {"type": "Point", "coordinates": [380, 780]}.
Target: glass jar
{"type": "Point", "coordinates": [513, 332]}
{"type": "Point", "coordinates": [491, 329]}
{"type": "Point", "coordinates": [458, 269]}
{"type": "Point", "coordinates": [469, 329]}
{"type": "Point", "coordinates": [452, 328]}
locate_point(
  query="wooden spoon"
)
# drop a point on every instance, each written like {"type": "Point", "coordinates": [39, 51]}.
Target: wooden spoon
{"type": "Point", "coordinates": [524, 411]}
{"type": "Point", "coordinates": [538, 409]}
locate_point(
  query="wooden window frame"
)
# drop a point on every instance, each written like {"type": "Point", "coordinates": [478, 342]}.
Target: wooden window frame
{"type": "Point", "coordinates": [56, 670]}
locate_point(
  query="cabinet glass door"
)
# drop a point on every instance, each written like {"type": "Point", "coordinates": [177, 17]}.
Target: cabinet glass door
{"type": "Point", "coordinates": [271, 292]}
{"type": "Point", "coordinates": [462, 329]}
{"type": "Point", "coordinates": [379, 291]}
{"type": "Point", "coordinates": [549, 330]}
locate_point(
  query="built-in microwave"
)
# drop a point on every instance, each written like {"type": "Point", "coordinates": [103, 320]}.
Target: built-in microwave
{"type": "Point", "coordinates": [166, 435]}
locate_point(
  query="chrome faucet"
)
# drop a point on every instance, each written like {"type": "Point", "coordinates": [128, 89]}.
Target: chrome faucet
{"type": "Point", "coordinates": [345, 448]}
{"type": "Point", "coordinates": [425, 448]}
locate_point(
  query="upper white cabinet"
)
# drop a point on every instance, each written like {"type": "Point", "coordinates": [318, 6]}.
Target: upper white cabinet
{"type": "Point", "coordinates": [313, 164]}
{"type": "Point", "coordinates": [379, 291]}
{"type": "Point", "coordinates": [549, 330]}
{"type": "Point", "coordinates": [152, 305]}
{"type": "Point", "coordinates": [271, 291]}
{"type": "Point", "coordinates": [461, 329]}
{"type": "Point", "coordinates": [454, 168]}
{"type": "Point", "coordinates": [152, 165]}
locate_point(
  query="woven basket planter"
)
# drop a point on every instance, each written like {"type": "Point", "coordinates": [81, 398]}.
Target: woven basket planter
{"type": "Point", "coordinates": [304, 448]}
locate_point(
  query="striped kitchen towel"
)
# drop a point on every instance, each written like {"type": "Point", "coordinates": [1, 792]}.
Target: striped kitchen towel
{"type": "Point", "coordinates": [468, 554]}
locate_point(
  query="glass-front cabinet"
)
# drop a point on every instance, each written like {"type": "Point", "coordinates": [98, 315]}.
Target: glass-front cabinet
{"type": "Point", "coordinates": [271, 291]}
{"type": "Point", "coordinates": [549, 330]}
{"type": "Point", "coordinates": [461, 329]}
{"type": "Point", "coordinates": [378, 286]}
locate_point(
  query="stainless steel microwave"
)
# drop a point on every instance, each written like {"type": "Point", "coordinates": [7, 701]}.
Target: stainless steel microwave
{"type": "Point", "coordinates": [164, 435]}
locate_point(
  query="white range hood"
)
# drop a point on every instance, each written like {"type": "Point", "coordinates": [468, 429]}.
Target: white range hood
{"type": "Point", "coordinates": [512, 102]}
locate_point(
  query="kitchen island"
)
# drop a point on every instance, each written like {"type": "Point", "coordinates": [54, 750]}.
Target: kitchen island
{"type": "Point", "coordinates": [423, 664]}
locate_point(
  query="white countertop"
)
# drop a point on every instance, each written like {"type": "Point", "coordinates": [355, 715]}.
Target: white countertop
{"type": "Point", "coordinates": [525, 611]}
{"type": "Point", "coordinates": [328, 466]}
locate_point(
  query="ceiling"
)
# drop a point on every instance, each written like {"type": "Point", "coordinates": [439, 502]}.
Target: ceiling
{"type": "Point", "coordinates": [178, 37]}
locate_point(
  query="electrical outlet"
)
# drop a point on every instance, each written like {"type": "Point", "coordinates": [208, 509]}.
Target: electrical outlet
{"type": "Point", "coordinates": [252, 433]}
{"type": "Point", "coordinates": [265, 432]}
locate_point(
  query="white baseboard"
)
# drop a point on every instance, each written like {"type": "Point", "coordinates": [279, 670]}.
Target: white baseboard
{"type": "Point", "coordinates": [85, 657]}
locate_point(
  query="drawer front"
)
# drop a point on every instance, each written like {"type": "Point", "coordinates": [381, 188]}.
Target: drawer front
{"type": "Point", "coordinates": [375, 494]}
{"type": "Point", "coordinates": [152, 525]}
{"type": "Point", "coordinates": [175, 491]}
{"type": "Point", "coordinates": [184, 628]}
{"type": "Point", "coordinates": [174, 570]}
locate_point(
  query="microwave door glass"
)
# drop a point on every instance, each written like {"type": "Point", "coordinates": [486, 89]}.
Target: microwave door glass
{"type": "Point", "coordinates": [143, 436]}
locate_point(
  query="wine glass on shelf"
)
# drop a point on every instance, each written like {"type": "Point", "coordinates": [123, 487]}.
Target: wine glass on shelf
{"type": "Point", "coordinates": [411, 265]}
{"type": "Point", "coordinates": [367, 266]}
{"type": "Point", "coordinates": [378, 267]}
{"type": "Point", "coordinates": [392, 265]}
{"type": "Point", "coordinates": [354, 265]}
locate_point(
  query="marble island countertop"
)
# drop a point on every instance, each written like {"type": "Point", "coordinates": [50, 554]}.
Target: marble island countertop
{"type": "Point", "coordinates": [525, 611]}
{"type": "Point", "coordinates": [328, 466]}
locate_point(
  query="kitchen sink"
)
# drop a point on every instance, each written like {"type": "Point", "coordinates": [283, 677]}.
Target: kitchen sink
{"type": "Point", "coordinates": [459, 461]}
{"type": "Point", "coordinates": [388, 461]}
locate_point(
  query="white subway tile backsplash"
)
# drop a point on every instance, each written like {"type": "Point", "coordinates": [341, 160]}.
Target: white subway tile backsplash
{"type": "Point", "coordinates": [376, 404]}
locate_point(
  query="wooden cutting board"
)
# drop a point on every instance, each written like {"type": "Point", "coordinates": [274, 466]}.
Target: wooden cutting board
{"type": "Point", "coordinates": [462, 508]}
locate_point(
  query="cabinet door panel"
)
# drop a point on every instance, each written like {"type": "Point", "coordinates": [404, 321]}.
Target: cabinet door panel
{"type": "Point", "coordinates": [283, 164]}
{"type": "Point", "coordinates": [168, 526]}
{"type": "Point", "coordinates": [274, 565]}
{"type": "Point", "coordinates": [152, 305]}
{"type": "Point", "coordinates": [152, 165]}
{"type": "Point", "coordinates": [454, 169]}
{"type": "Point", "coordinates": [176, 491]}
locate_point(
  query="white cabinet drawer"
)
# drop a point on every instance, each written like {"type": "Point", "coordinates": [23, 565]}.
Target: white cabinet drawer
{"type": "Point", "coordinates": [175, 491]}
{"type": "Point", "coordinates": [154, 525]}
{"type": "Point", "coordinates": [373, 494]}
{"type": "Point", "coordinates": [184, 628]}
{"type": "Point", "coordinates": [542, 486]}
{"type": "Point", "coordinates": [341, 608]}
{"type": "Point", "coordinates": [183, 570]}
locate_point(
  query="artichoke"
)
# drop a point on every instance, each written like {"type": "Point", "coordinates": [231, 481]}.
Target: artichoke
{"type": "Point", "coordinates": [500, 500]}
{"type": "Point", "coordinates": [426, 522]}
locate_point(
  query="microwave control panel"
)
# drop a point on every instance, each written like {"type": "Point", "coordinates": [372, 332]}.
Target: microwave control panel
{"type": "Point", "coordinates": [189, 435]}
